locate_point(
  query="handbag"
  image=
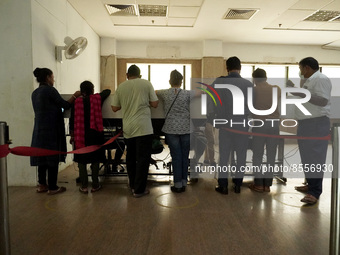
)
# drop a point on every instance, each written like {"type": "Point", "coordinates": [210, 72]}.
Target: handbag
{"type": "Point", "coordinates": [165, 141]}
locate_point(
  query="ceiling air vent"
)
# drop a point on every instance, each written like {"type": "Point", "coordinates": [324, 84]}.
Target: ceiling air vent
{"type": "Point", "coordinates": [121, 10]}
{"type": "Point", "coordinates": [153, 10]}
{"type": "Point", "coordinates": [244, 14]}
{"type": "Point", "coordinates": [323, 16]}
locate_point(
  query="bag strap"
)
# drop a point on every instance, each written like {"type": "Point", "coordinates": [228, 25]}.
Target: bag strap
{"type": "Point", "coordinates": [172, 104]}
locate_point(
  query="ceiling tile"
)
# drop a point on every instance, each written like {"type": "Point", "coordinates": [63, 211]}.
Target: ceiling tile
{"type": "Point", "coordinates": [308, 25]}
{"type": "Point", "coordinates": [310, 4]}
{"type": "Point", "coordinates": [153, 2]}
{"type": "Point", "coordinates": [183, 12]}
{"type": "Point", "coordinates": [125, 20]}
{"type": "Point", "coordinates": [153, 21]}
{"type": "Point", "coordinates": [187, 22]}
{"type": "Point", "coordinates": [186, 2]}
{"type": "Point", "coordinates": [289, 18]}
{"type": "Point", "coordinates": [118, 2]}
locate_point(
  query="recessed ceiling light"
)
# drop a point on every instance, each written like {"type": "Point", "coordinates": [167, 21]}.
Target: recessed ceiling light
{"type": "Point", "coordinates": [153, 10]}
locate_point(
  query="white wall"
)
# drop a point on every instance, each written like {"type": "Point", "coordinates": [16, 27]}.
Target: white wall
{"type": "Point", "coordinates": [30, 30]}
{"type": "Point", "coordinates": [280, 53]}
{"type": "Point", "coordinates": [16, 83]}
{"type": "Point", "coordinates": [246, 52]}
{"type": "Point", "coordinates": [160, 50]}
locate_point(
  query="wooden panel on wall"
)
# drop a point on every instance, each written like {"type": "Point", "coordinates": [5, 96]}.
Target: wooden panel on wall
{"type": "Point", "coordinates": [108, 72]}
{"type": "Point", "coordinates": [213, 67]}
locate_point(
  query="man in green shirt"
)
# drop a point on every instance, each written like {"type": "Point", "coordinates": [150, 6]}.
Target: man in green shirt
{"type": "Point", "coordinates": [135, 97]}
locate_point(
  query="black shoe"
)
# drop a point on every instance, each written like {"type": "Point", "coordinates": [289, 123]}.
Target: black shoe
{"type": "Point", "coordinates": [176, 190]}
{"type": "Point", "coordinates": [222, 190]}
{"type": "Point", "coordinates": [237, 189]}
{"type": "Point", "coordinates": [183, 188]}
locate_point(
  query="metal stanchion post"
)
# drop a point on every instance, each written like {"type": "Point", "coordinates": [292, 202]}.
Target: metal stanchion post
{"type": "Point", "coordinates": [4, 211]}
{"type": "Point", "coordinates": [335, 203]}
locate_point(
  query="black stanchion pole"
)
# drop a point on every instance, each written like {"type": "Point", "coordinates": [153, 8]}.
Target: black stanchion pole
{"type": "Point", "coordinates": [335, 203]}
{"type": "Point", "coordinates": [5, 247]}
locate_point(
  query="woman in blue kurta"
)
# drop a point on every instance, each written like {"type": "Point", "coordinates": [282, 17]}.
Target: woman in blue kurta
{"type": "Point", "coordinates": [49, 129]}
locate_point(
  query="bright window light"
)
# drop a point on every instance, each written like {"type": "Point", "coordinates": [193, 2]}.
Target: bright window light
{"type": "Point", "coordinates": [276, 74]}
{"type": "Point", "coordinates": [160, 74]}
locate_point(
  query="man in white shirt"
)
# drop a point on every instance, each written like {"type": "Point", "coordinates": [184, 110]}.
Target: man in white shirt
{"type": "Point", "coordinates": [313, 152]}
{"type": "Point", "coordinates": [134, 97]}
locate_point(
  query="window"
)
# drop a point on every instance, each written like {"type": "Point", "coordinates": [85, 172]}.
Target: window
{"type": "Point", "coordinates": [276, 74]}
{"type": "Point", "coordinates": [333, 73]}
{"type": "Point", "coordinates": [159, 74]}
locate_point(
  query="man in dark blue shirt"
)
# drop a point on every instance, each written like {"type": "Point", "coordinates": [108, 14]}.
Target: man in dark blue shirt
{"type": "Point", "coordinates": [231, 116]}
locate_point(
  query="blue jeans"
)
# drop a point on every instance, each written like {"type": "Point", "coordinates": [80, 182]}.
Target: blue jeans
{"type": "Point", "coordinates": [313, 151]}
{"type": "Point", "coordinates": [179, 146]}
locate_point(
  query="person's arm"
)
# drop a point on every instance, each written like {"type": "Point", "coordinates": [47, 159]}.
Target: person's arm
{"type": "Point", "coordinates": [54, 96]}
{"type": "Point", "coordinates": [104, 94]}
{"type": "Point", "coordinates": [153, 97]}
{"type": "Point", "coordinates": [154, 104]}
{"type": "Point", "coordinates": [115, 104]}
{"type": "Point", "coordinates": [115, 108]}
{"type": "Point", "coordinates": [316, 100]}
{"type": "Point", "coordinates": [74, 97]}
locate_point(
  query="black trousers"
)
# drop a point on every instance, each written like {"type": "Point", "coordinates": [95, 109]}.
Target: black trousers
{"type": "Point", "coordinates": [52, 172]}
{"type": "Point", "coordinates": [137, 161]}
{"type": "Point", "coordinates": [313, 152]}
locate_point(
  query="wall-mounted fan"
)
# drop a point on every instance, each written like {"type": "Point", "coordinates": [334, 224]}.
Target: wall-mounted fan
{"type": "Point", "coordinates": [72, 48]}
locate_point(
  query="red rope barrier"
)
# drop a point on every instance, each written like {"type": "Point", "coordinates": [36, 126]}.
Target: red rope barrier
{"type": "Point", "coordinates": [32, 151]}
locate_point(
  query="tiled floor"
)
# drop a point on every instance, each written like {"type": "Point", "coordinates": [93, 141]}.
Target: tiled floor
{"type": "Point", "coordinates": [199, 221]}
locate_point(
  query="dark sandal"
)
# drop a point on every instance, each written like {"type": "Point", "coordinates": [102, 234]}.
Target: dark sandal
{"type": "Point", "coordinates": [256, 188]}
{"type": "Point", "coordinates": [41, 188]}
{"type": "Point", "coordinates": [57, 191]}
{"type": "Point", "coordinates": [96, 189]}
{"type": "Point", "coordinates": [83, 190]}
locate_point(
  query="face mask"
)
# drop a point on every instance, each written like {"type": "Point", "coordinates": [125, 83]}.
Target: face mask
{"type": "Point", "coordinates": [302, 77]}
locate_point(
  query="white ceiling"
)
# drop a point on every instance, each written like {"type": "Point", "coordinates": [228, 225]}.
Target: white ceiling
{"type": "Point", "coordinates": [275, 22]}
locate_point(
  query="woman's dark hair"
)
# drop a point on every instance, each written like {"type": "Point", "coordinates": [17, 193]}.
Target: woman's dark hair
{"type": "Point", "coordinates": [86, 88]}
{"type": "Point", "coordinates": [311, 62]}
{"type": "Point", "coordinates": [233, 63]}
{"type": "Point", "coordinates": [41, 74]}
{"type": "Point", "coordinates": [260, 75]}
{"type": "Point", "coordinates": [175, 78]}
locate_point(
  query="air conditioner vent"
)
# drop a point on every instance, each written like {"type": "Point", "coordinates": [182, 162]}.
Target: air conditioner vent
{"type": "Point", "coordinates": [244, 14]}
{"type": "Point", "coordinates": [153, 10]}
{"type": "Point", "coordinates": [323, 16]}
{"type": "Point", "coordinates": [121, 10]}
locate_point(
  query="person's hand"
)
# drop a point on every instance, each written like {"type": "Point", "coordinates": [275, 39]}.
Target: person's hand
{"type": "Point", "coordinates": [77, 93]}
{"type": "Point", "coordinates": [289, 83]}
